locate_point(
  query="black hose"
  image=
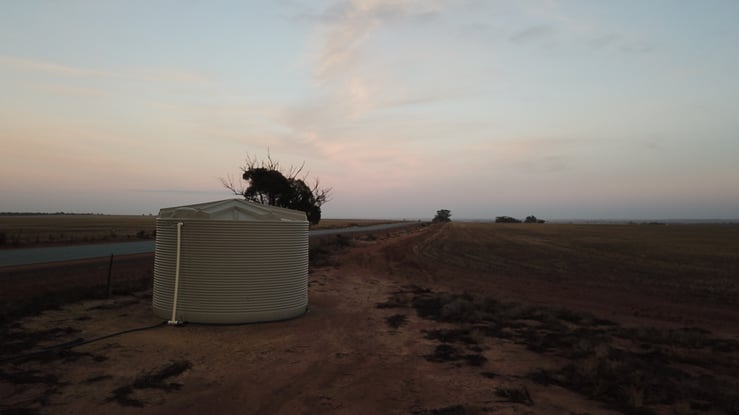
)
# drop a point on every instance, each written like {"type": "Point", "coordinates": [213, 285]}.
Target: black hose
{"type": "Point", "coordinates": [75, 343]}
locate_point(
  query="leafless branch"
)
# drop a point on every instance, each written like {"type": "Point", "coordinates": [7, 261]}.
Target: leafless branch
{"type": "Point", "coordinates": [321, 195]}
{"type": "Point", "coordinates": [228, 183]}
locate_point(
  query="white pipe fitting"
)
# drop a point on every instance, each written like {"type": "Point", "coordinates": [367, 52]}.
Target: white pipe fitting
{"type": "Point", "coordinates": [174, 320]}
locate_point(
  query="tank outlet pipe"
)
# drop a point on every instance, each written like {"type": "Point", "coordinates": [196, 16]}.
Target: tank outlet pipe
{"type": "Point", "coordinates": [174, 320]}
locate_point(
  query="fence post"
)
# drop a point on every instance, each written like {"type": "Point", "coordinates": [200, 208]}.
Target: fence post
{"type": "Point", "coordinates": [109, 289]}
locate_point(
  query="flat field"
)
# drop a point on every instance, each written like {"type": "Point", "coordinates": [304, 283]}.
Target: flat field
{"type": "Point", "coordinates": [443, 319]}
{"type": "Point", "coordinates": [39, 230]}
{"type": "Point", "coordinates": [686, 262]}
{"type": "Point", "coordinates": [25, 231]}
{"type": "Point", "coordinates": [345, 223]}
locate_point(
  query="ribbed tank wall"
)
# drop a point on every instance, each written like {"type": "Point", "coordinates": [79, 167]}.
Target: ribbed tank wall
{"type": "Point", "coordinates": [232, 271]}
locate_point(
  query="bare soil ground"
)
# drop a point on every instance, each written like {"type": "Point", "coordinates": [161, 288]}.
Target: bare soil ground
{"type": "Point", "coordinates": [452, 319]}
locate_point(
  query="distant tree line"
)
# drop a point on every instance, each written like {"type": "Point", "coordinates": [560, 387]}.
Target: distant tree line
{"type": "Point", "coordinates": [509, 219]}
{"type": "Point", "coordinates": [445, 215]}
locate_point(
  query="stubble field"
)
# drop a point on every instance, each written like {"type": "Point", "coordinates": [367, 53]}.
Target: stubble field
{"type": "Point", "coordinates": [697, 263]}
{"type": "Point", "coordinates": [449, 319]}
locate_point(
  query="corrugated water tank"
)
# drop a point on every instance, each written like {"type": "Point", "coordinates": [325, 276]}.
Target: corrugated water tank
{"type": "Point", "coordinates": [239, 262]}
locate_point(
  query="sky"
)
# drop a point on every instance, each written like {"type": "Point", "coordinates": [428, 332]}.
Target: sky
{"type": "Point", "coordinates": [561, 109]}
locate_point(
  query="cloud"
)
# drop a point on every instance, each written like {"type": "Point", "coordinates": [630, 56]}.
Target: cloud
{"type": "Point", "coordinates": [621, 43]}
{"type": "Point", "coordinates": [530, 155]}
{"type": "Point", "coordinates": [72, 91]}
{"type": "Point", "coordinates": [354, 79]}
{"type": "Point", "coordinates": [542, 165]}
{"type": "Point", "coordinates": [349, 25]}
{"type": "Point", "coordinates": [654, 144]}
{"type": "Point", "coordinates": [533, 34]}
{"type": "Point", "coordinates": [604, 41]}
{"type": "Point", "coordinates": [176, 76]}
{"type": "Point", "coordinates": [49, 67]}
{"type": "Point", "coordinates": [342, 44]}
{"type": "Point", "coordinates": [637, 47]}
{"type": "Point", "coordinates": [528, 146]}
{"type": "Point", "coordinates": [158, 75]}
{"type": "Point", "coordinates": [361, 79]}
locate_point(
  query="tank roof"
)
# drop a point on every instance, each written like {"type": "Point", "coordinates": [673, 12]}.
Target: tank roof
{"type": "Point", "coordinates": [232, 209]}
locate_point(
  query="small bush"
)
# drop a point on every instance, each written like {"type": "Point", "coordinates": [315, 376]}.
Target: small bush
{"type": "Point", "coordinates": [448, 353]}
{"type": "Point", "coordinates": [451, 336]}
{"type": "Point", "coordinates": [447, 410]}
{"type": "Point", "coordinates": [154, 379]}
{"type": "Point", "coordinates": [343, 241]}
{"type": "Point", "coordinates": [396, 320]}
{"type": "Point", "coordinates": [518, 394]}
{"type": "Point", "coordinates": [397, 300]}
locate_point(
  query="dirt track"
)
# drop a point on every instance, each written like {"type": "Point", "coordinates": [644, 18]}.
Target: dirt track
{"type": "Point", "coordinates": [342, 357]}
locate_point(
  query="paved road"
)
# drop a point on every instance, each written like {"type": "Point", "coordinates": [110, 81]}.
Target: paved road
{"type": "Point", "coordinates": [11, 257]}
